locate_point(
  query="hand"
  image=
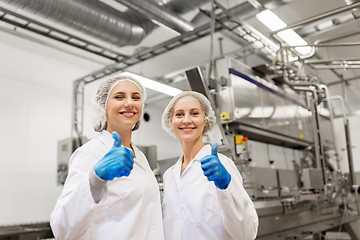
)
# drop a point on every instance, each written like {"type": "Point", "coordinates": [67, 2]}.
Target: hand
{"type": "Point", "coordinates": [118, 162]}
{"type": "Point", "coordinates": [214, 170]}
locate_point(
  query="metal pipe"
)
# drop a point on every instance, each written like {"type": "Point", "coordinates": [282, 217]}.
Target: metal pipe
{"type": "Point", "coordinates": [318, 145]}
{"type": "Point", "coordinates": [333, 66]}
{"type": "Point", "coordinates": [102, 22]}
{"type": "Point", "coordinates": [344, 80]}
{"type": "Point", "coordinates": [294, 83]}
{"type": "Point", "coordinates": [91, 17]}
{"type": "Point", "coordinates": [328, 100]}
{"type": "Point", "coordinates": [153, 11]}
{"type": "Point", "coordinates": [311, 61]}
{"type": "Point", "coordinates": [345, 35]}
{"type": "Point", "coordinates": [318, 17]}
{"type": "Point", "coordinates": [347, 138]}
{"type": "Point", "coordinates": [347, 44]}
{"type": "Point", "coordinates": [246, 9]}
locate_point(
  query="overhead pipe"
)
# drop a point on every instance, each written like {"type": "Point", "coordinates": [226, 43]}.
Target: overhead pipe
{"type": "Point", "coordinates": [152, 11]}
{"type": "Point", "coordinates": [90, 17]}
{"type": "Point", "coordinates": [317, 17]}
{"type": "Point", "coordinates": [337, 37]}
{"type": "Point", "coordinates": [295, 83]}
{"type": "Point", "coordinates": [247, 9]}
{"type": "Point", "coordinates": [100, 21]}
{"type": "Point", "coordinates": [344, 80]}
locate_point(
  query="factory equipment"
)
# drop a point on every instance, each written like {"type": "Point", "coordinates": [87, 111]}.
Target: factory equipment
{"type": "Point", "coordinates": [65, 148]}
{"type": "Point", "coordinates": [151, 154]}
{"type": "Point", "coordinates": [310, 197]}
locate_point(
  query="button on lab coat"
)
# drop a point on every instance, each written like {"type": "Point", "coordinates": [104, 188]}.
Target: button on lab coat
{"type": "Point", "coordinates": [130, 207]}
{"type": "Point", "coordinates": [194, 208]}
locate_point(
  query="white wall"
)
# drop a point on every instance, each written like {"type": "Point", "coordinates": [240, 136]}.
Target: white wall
{"type": "Point", "coordinates": [35, 102]}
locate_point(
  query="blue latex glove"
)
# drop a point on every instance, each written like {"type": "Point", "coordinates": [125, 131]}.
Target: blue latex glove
{"type": "Point", "coordinates": [214, 170]}
{"type": "Point", "coordinates": [118, 162]}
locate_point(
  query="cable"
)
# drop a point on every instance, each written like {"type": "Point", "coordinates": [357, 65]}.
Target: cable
{"type": "Point", "coordinates": [212, 31]}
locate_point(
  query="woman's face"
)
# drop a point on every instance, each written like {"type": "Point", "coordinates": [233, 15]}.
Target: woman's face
{"type": "Point", "coordinates": [124, 106]}
{"type": "Point", "coordinates": [188, 119]}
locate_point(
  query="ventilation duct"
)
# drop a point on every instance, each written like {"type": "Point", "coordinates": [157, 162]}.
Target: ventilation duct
{"type": "Point", "coordinates": [161, 15]}
{"type": "Point", "coordinates": [99, 20]}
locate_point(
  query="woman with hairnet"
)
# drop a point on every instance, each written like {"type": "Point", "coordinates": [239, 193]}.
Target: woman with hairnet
{"type": "Point", "coordinates": [203, 193]}
{"type": "Point", "coordinates": [110, 191]}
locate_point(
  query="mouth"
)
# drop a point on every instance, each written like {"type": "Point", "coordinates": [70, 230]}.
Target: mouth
{"type": "Point", "coordinates": [187, 129]}
{"type": "Point", "coordinates": [128, 114]}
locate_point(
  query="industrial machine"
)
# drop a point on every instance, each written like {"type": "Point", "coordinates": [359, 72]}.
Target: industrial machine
{"type": "Point", "coordinates": [308, 195]}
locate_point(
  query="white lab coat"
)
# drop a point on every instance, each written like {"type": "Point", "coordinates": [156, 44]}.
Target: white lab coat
{"type": "Point", "coordinates": [194, 208]}
{"type": "Point", "coordinates": [130, 207]}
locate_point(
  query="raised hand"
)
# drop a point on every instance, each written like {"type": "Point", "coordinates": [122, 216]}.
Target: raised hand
{"type": "Point", "coordinates": [214, 170]}
{"type": "Point", "coordinates": [118, 162]}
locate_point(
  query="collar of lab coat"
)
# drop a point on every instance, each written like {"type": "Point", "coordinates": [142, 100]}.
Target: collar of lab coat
{"type": "Point", "coordinates": [204, 151]}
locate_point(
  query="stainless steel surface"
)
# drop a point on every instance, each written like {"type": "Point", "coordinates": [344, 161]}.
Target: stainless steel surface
{"type": "Point", "coordinates": [293, 219]}
{"type": "Point", "coordinates": [288, 182]}
{"type": "Point", "coordinates": [151, 154]}
{"type": "Point", "coordinates": [29, 231]}
{"type": "Point", "coordinates": [260, 183]}
{"type": "Point", "coordinates": [312, 179]}
{"type": "Point", "coordinates": [255, 102]}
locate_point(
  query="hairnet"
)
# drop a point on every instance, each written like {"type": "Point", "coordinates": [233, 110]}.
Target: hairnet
{"type": "Point", "coordinates": [210, 118]}
{"type": "Point", "coordinates": [102, 96]}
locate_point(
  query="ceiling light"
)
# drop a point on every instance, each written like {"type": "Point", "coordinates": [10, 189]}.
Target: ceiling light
{"type": "Point", "coordinates": [293, 39]}
{"type": "Point", "coordinates": [270, 20]}
{"type": "Point", "coordinates": [274, 23]}
{"type": "Point", "coordinates": [156, 86]}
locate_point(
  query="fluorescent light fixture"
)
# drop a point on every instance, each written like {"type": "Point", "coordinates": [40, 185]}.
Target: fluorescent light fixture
{"type": "Point", "coordinates": [274, 23]}
{"type": "Point", "coordinates": [293, 39]}
{"type": "Point", "coordinates": [156, 86]}
{"type": "Point", "coordinates": [270, 20]}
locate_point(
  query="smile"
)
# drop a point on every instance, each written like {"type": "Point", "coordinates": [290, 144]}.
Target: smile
{"type": "Point", "coordinates": [187, 129]}
{"type": "Point", "coordinates": [128, 114]}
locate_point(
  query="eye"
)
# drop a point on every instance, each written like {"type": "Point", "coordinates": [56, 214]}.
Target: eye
{"type": "Point", "coordinates": [179, 114]}
{"type": "Point", "coordinates": [136, 97]}
{"type": "Point", "coordinates": [119, 97]}
{"type": "Point", "coordinates": [195, 113]}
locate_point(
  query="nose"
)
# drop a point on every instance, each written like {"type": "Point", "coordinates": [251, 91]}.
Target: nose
{"type": "Point", "coordinates": [129, 103]}
{"type": "Point", "coordinates": [187, 118]}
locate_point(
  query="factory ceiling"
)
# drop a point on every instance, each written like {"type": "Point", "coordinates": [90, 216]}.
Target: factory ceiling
{"type": "Point", "coordinates": [167, 37]}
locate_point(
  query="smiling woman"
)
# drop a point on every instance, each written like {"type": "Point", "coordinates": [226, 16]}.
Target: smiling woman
{"type": "Point", "coordinates": [111, 191]}
{"type": "Point", "coordinates": [203, 193]}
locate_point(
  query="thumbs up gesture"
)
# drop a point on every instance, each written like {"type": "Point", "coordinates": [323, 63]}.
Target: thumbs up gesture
{"type": "Point", "coordinates": [214, 170]}
{"type": "Point", "coordinates": [118, 162]}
